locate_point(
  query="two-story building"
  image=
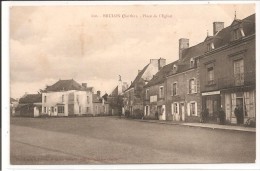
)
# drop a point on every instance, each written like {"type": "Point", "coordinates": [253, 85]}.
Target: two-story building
{"type": "Point", "coordinates": [134, 95]}
{"type": "Point", "coordinates": [227, 69]}
{"type": "Point", "coordinates": [67, 98]}
{"type": "Point", "coordinates": [155, 94]}
{"type": "Point", "coordinates": [183, 90]}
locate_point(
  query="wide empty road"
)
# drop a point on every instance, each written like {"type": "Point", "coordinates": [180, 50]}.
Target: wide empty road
{"type": "Point", "coordinates": [110, 140]}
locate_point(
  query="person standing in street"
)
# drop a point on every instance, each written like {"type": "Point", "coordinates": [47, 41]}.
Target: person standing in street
{"type": "Point", "coordinates": [237, 114]}
{"type": "Point", "coordinates": [241, 114]}
{"type": "Point", "coordinates": [222, 116]}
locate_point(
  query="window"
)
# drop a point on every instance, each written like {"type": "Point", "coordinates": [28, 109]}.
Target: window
{"type": "Point", "coordinates": [175, 108]}
{"type": "Point", "coordinates": [153, 99]}
{"type": "Point", "coordinates": [236, 34]}
{"type": "Point", "coordinates": [79, 109]}
{"type": "Point", "coordinates": [45, 98]}
{"type": "Point", "coordinates": [193, 109]}
{"type": "Point", "coordinates": [210, 46]}
{"type": "Point", "coordinates": [192, 62]}
{"type": "Point", "coordinates": [147, 112]}
{"type": "Point", "coordinates": [161, 92]}
{"type": "Point", "coordinates": [45, 109]}
{"type": "Point", "coordinates": [147, 94]}
{"type": "Point", "coordinates": [192, 86]}
{"type": "Point", "coordinates": [87, 109]}
{"type": "Point", "coordinates": [60, 109]}
{"type": "Point", "coordinates": [88, 99]}
{"type": "Point", "coordinates": [239, 72]}
{"type": "Point", "coordinates": [210, 76]}
{"type": "Point", "coordinates": [174, 89]}
{"type": "Point", "coordinates": [52, 109]}
{"type": "Point", "coordinates": [62, 98]}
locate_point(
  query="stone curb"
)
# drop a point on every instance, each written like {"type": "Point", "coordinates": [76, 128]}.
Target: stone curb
{"type": "Point", "coordinates": [200, 126]}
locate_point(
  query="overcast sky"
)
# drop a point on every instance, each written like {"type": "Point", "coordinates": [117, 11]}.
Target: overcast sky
{"type": "Point", "coordinates": [48, 43]}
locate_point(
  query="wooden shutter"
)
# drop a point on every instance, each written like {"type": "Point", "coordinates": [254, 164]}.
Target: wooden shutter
{"type": "Point", "coordinates": [188, 109]}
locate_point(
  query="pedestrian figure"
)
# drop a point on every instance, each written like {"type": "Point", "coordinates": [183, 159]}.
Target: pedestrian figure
{"type": "Point", "coordinates": [237, 113]}
{"type": "Point", "coordinates": [206, 114]}
{"type": "Point", "coordinates": [203, 116]}
{"type": "Point", "coordinates": [222, 116]}
{"type": "Point", "coordinates": [156, 115]}
{"type": "Point", "coordinates": [241, 114]}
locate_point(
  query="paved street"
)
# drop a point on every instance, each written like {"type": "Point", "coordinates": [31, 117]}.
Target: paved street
{"type": "Point", "coordinates": [105, 140]}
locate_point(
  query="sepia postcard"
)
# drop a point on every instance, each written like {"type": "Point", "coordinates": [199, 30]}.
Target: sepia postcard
{"type": "Point", "coordinates": [130, 85]}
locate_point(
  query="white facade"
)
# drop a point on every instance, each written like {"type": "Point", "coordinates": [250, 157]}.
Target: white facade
{"type": "Point", "coordinates": [65, 103]}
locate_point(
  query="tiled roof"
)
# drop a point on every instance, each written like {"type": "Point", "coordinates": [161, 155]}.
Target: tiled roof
{"type": "Point", "coordinates": [114, 92]}
{"type": "Point", "coordinates": [96, 98]}
{"type": "Point", "coordinates": [138, 77]}
{"type": "Point", "coordinates": [65, 85]}
{"type": "Point", "coordinates": [222, 38]}
{"type": "Point", "coordinates": [160, 76]}
{"type": "Point", "coordinates": [31, 98]}
{"type": "Point", "coordinates": [12, 100]}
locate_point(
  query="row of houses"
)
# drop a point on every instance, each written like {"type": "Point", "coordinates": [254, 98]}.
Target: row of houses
{"type": "Point", "coordinates": [216, 73]}
{"type": "Point", "coordinates": [64, 98]}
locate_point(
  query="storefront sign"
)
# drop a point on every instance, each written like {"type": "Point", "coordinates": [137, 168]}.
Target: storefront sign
{"type": "Point", "coordinates": [210, 93]}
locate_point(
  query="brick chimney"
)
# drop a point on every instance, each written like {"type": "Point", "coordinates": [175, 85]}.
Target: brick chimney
{"type": "Point", "coordinates": [183, 44]}
{"type": "Point", "coordinates": [217, 26]}
{"type": "Point", "coordinates": [84, 85]}
{"type": "Point", "coordinates": [161, 63]}
{"type": "Point", "coordinates": [98, 93]}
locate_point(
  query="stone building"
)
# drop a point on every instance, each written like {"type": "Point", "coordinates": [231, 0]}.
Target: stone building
{"type": "Point", "coordinates": [69, 98]}
{"type": "Point", "coordinates": [134, 95]}
{"type": "Point", "coordinates": [227, 69]}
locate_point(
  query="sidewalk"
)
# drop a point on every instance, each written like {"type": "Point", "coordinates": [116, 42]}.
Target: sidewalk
{"type": "Point", "coordinates": [202, 125]}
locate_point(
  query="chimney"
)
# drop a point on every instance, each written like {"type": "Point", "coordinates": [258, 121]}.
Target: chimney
{"type": "Point", "coordinates": [161, 63]}
{"type": "Point", "coordinates": [84, 85]}
{"type": "Point", "coordinates": [98, 93]}
{"type": "Point", "coordinates": [217, 26]}
{"type": "Point", "coordinates": [183, 44]}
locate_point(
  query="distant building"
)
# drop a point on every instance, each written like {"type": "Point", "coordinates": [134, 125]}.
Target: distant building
{"type": "Point", "coordinates": [69, 98]}
{"type": "Point", "coordinates": [134, 95]}
{"type": "Point", "coordinates": [115, 99]}
{"type": "Point", "coordinates": [29, 105]}
{"type": "Point", "coordinates": [100, 105]}
{"type": "Point", "coordinates": [13, 105]}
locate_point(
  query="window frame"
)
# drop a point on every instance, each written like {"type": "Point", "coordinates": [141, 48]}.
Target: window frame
{"type": "Point", "coordinates": [175, 83]}
{"type": "Point", "coordinates": [161, 93]}
{"type": "Point", "coordinates": [61, 109]}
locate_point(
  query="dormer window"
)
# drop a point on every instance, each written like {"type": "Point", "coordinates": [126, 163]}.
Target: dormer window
{"type": "Point", "coordinates": [210, 46]}
{"type": "Point", "coordinates": [174, 67]}
{"type": "Point", "coordinates": [192, 61]}
{"type": "Point", "coordinates": [238, 33]}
